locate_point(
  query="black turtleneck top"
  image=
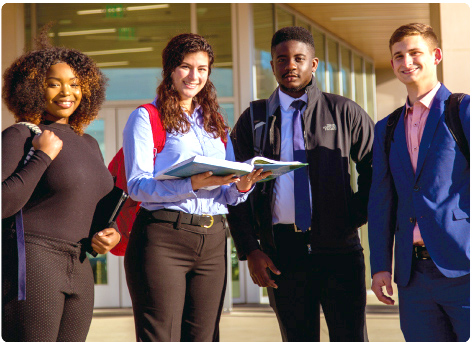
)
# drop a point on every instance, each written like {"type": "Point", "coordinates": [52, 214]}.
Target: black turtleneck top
{"type": "Point", "coordinates": [59, 197]}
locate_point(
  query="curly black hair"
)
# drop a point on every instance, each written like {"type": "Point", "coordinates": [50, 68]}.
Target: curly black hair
{"type": "Point", "coordinates": [24, 83]}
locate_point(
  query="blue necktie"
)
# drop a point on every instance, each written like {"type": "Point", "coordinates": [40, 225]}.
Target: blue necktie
{"type": "Point", "coordinates": [301, 185]}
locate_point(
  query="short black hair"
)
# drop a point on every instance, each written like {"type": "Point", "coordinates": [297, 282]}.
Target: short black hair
{"type": "Point", "coordinates": [297, 33]}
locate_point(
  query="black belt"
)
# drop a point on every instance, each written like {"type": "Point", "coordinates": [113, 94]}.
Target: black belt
{"type": "Point", "coordinates": [290, 227]}
{"type": "Point", "coordinates": [168, 215]}
{"type": "Point", "coordinates": [421, 253]}
{"type": "Point", "coordinates": [288, 232]}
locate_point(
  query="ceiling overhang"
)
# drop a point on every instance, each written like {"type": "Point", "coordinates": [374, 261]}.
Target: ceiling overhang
{"type": "Point", "coordinates": [365, 26]}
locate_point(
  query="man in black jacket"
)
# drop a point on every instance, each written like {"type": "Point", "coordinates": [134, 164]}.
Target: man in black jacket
{"type": "Point", "coordinates": [324, 264]}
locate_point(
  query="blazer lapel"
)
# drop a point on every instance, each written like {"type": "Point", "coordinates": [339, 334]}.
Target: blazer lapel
{"type": "Point", "coordinates": [437, 108]}
{"type": "Point", "coordinates": [400, 148]}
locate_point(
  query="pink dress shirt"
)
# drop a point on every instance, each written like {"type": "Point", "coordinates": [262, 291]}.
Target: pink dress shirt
{"type": "Point", "coordinates": [415, 121]}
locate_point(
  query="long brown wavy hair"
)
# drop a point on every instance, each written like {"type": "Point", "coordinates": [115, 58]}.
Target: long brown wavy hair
{"type": "Point", "coordinates": [173, 117]}
{"type": "Point", "coordinates": [24, 83]}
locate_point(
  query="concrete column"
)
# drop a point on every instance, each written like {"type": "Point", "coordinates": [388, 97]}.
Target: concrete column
{"type": "Point", "coordinates": [453, 22]}
{"type": "Point", "coordinates": [244, 74]}
{"type": "Point", "coordinates": [13, 44]}
{"type": "Point", "coordinates": [245, 57]}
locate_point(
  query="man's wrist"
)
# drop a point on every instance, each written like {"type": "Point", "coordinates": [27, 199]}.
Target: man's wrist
{"type": "Point", "coordinates": [254, 251]}
{"type": "Point", "coordinates": [382, 273]}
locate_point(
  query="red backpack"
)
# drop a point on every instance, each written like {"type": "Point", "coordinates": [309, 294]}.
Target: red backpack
{"type": "Point", "coordinates": [116, 167]}
{"type": "Point", "coordinates": [127, 214]}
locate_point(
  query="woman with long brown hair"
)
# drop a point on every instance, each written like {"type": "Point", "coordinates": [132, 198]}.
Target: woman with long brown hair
{"type": "Point", "coordinates": [175, 261]}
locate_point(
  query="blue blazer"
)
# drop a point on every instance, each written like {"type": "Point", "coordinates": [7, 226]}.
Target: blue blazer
{"type": "Point", "coordinates": [437, 196]}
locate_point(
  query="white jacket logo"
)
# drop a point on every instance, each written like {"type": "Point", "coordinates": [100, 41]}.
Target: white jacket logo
{"type": "Point", "coordinates": [330, 127]}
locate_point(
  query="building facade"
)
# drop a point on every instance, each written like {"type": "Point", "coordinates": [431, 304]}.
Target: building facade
{"type": "Point", "coordinates": [126, 41]}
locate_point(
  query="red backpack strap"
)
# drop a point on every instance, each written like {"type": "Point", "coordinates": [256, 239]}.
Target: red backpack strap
{"type": "Point", "coordinates": [158, 131]}
{"type": "Point", "coordinates": [127, 214]}
{"type": "Point", "coordinates": [117, 170]}
{"type": "Point", "coordinates": [223, 120]}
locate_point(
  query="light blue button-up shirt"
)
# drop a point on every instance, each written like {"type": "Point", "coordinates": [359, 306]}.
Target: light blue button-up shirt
{"type": "Point", "coordinates": [176, 194]}
{"type": "Point", "coordinates": [284, 204]}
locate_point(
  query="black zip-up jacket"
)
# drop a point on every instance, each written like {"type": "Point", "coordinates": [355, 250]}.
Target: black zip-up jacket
{"type": "Point", "coordinates": [336, 130]}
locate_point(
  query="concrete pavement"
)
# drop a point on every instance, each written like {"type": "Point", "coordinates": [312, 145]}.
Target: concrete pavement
{"type": "Point", "coordinates": [247, 323]}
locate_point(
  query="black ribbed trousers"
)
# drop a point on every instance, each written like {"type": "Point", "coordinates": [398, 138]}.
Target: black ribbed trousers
{"type": "Point", "coordinates": [334, 281]}
{"type": "Point", "coordinates": [176, 279]}
{"type": "Point", "coordinates": [59, 291]}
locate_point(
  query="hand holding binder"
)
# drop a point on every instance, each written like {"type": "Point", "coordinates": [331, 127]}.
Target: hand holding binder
{"type": "Point", "coordinates": [107, 211]}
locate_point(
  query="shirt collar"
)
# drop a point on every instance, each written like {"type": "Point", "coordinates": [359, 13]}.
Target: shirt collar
{"type": "Point", "coordinates": [197, 115]}
{"type": "Point", "coordinates": [427, 100]}
{"type": "Point", "coordinates": [286, 100]}
{"type": "Point", "coordinates": [198, 110]}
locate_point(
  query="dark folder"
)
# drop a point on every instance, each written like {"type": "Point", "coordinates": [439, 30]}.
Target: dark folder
{"type": "Point", "coordinates": [119, 197]}
{"type": "Point", "coordinates": [107, 210]}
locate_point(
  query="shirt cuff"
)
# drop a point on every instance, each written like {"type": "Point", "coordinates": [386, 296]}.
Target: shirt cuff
{"type": "Point", "coordinates": [188, 190]}
{"type": "Point", "coordinates": [246, 191]}
{"type": "Point", "coordinates": [234, 191]}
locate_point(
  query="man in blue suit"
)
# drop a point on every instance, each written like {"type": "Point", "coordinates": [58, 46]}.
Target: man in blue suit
{"type": "Point", "coordinates": [420, 199]}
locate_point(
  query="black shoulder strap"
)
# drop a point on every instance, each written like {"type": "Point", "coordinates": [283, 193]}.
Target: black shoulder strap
{"type": "Point", "coordinates": [34, 129]}
{"type": "Point", "coordinates": [259, 111]}
{"type": "Point", "coordinates": [453, 122]}
{"type": "Point", "coordinates": [452, 119]}
{"type": "Point", "coordinates": [391, 124]}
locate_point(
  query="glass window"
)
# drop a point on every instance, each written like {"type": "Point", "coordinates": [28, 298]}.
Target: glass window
{"type": "Point", "coordinates": [228, 113]}
{"type": "Point", "coordinates": [214, 23]}
{"type": "Point", "coordinates": [346, 72]}
{"type": "Point", "coordinates": [263, 32]}
{"type": "Point", "coordinates": [302, 23]}
{"type": "Point", "coordinates": [370, 88]}
{"type": "Point", "coordinates": [28, 28]}
{"type": "Point", "coordinates": [99, 264]}
{"type": "Point", "coordinates": [236, 287]}
{"type": "Point", "coordinates": [99, 269]}
{"type": "Point", "coordinates": [126, 40]}
{"type": "Point", "coordinates": [320, 73]}
{"type": "Point", "coordinates": [97, 130]}
{"type": "Point", "coordinates": [333, 68]}
{"type": "Point", "coordinates": [359, 81]}
{"type": "Point", "coordinates": [284, 18]}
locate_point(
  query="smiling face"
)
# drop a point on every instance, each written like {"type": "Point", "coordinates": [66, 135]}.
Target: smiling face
{"type": "Point", "coordinates": [191, 76]}
{"type": "Point", "coordinates": [293, 63]}
{"type": "Point", "coordinates": [63, 93]}
{"type": "Point", "coordinates": [414, 62]}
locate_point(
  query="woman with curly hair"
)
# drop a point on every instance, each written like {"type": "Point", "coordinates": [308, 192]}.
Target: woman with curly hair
{"type": "Point", "coordinates": [59, 191]}
{"type": "Point", "coordinates": [175, 261]}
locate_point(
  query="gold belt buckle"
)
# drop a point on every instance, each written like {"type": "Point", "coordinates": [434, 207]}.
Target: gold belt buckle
{"type": "Point", "coordinates": [211, 221]}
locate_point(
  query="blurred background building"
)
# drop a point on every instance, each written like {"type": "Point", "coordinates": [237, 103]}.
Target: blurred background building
{"type": "Point", "coordinates": [126, 40]}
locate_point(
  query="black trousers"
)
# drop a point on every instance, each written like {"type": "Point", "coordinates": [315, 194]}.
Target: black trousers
{"type": "Point", "coordinates": [59, 291]}
{"type": "Point", "coordinates": [336, 281]}
{"type": "Point", "coordinates": [176, 279]}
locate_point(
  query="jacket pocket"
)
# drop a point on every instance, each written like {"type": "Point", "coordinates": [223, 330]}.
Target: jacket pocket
{"type": "Point", "coordinates": [459, 214]}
